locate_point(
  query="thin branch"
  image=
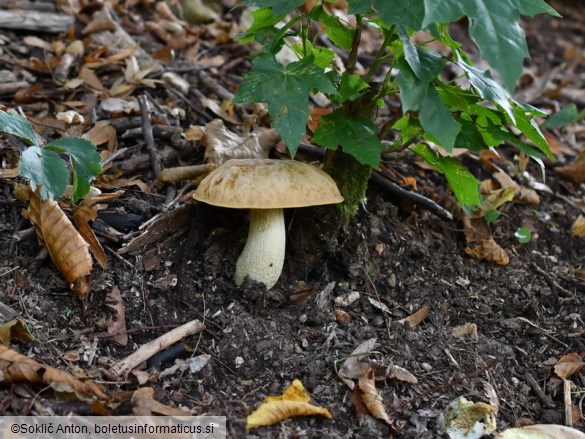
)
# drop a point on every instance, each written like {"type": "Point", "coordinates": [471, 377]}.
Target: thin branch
{"type": "Point", "coordinates": [351, 61]}
{"type": "Point", "coordinates": [148, 136]}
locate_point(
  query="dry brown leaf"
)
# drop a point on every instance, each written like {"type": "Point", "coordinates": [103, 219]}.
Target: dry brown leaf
{"type": "Point", "coordinates": [416, 318]}
{"type": "Point", "coordinates": [575, 171]}
{"type": "Point", "coordinates": [13, 329]}
{"type": "Point", "coordinates": [468, 330]}
{"type": "Point", "coordinates": [541, 431]}
{"type": "Point", "coordinates": [360, 409]}
{"type": "Point", "coordinates": [370, 397]}
{"type": "Point", "coordinates": [353, 367]}
{"type": "Point", "coordinates": [578, 227]}
{"type": "Point", "coordinates": [496, 199]}
{"type": "Point", "coordinates": [489, 250]}
{"type": "Point", "coordinates": [568, 365]}
{"type": "Point", "coordinates": [67, 248]}
{"type": "Point", "coordinates": [400, 373]}
{"type": "Point", "coordinates": [82, 215]}
{"type": "Point", "coordinates": [144, 404]}
{"type": "Point", "coordinates": [17, 367]}
{"type": "Point", "coordinates": [103, 132]}
{"type": "Point", "coordinates": [293, 402]}
{"type": "Point", "coordinates": [117, 324]}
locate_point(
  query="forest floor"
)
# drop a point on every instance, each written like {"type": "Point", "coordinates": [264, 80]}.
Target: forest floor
{"type": "Point", "coordinates": [395, 257]}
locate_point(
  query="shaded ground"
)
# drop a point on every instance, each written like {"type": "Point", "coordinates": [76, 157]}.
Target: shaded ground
{"type": "Point", "coordinates": [528, 313]}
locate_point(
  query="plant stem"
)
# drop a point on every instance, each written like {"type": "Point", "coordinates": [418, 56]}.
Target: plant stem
{"type": "Point", "coordinates": [351, 61]}
{"type": "Point", "coordinates": [379, 56]}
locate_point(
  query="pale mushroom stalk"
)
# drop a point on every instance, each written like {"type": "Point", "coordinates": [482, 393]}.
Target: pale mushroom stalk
{"type": "Point", "coordinates": [263, 255]}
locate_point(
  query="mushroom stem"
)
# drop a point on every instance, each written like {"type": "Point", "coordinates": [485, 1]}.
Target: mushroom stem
{"type": "Point", "coordinates": [263, 256]}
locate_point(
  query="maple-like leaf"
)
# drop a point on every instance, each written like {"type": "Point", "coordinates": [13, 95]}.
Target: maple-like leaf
{"type": "Point", "coordinates": [286, 90]}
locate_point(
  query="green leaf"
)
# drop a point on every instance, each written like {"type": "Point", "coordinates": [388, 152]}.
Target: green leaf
{"type": "Point", "coordinates": [413, 87]}
{"type": "Point", "coordinates": [350, 86]}
{"type": "Point", "coordinates": [279, 7]}
{"type": "Point", "coordinates": [356, 134]}
{"type": "Point", "coordinates": [360, 7]}
{"type": "Point", "coordinates": [488, 88]}
{"type": "Point", "coordinates": [85, 162]}
{"type": "Point", "coordinates": [337, 32]}
{"type": "Point", "coordinates": [491, 216]}
{"type": "Point", "coordinates": [437, 120]}
{"type": "Point", "coordinates": [494, 27]}
{"type": "Point", "coordinates": [45, 169]}
{"type": "Point", "coordinates": [463, 184]}
{"type": "Point", "coordinates": [523, 234]}
{"type": "Point", "coordinates": [262, 29]}
{"type": "Point", "coordinates": [408, 12]}
{"type": "Point", "coordinates": [526, 123]}
{"type": "Point", "coordinates": [286, 89]}
{"type": "Point", "coordinates": [410, 52]}
{"type": "Point", "coordinates": [469, 137]}
{"type": "Point", "coordinates": [566, 116]}
{"type": "Point", "coordinates": [322, 57]}
{"type": "Point", "coordinates": [18, 127]}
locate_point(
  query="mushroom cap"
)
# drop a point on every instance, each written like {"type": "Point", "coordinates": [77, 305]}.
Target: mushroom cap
{"type": "Point", "coordinates": [267, 184]}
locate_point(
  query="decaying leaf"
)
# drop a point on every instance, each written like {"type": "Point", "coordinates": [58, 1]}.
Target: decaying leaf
{"type": "Point", "coordinates": [541, 431]}
{"type": "Point", "coordinates": [144, 404]}
{"type": "Point", "coordinates": [293, 402]}
{"type": "Point", "coordinates": [117, 324]}
{"type": "Point", "coordinates": [481, 244]}
{"type": "Point", "coordinates": [523, 194]}
{"type": "Point", "coordinates": [416, 318]}
{"type": "Point", "coordinates": [17, 367]}
{"type": "Point", "coordinates": [496, 199]}
{"type": "Point", "coordinates": [353, 367]}
{"type": "Point", "coordinates": [578, 227]}
{"type": "Point", "coordinates": [222, 145]}
{"type": "Point", "coordinates": [469, 420]}
{"type": "Point", "coordinates": [468, 330]}
{"type": "Point", "coordinates": [14, 328]}
{"type": "Point", "coordinates": [568, 365]}
{"type": "Point", "coordinates": [575, 171]}
{"type": "Point", "coordinates": [399, 373]}
{"type": "Point", "coordinates": [69, 251]}
{"type": "Point", "coordinates": [370, 397]}
{"type": "Point", "coordinates": [103, 132]}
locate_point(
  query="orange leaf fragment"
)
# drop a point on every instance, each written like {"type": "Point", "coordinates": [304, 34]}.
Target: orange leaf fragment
{"type": "Point", "coordinates": [293, 402]}
{"type": "Point", "coordinates": [578, 227]}
{"type": "Point", "coordinates": [568, 365]}
{"type": "Point", "coordinates": [67, 248]}
{"type": "Point", "coordinates": [416, 318]}
{"type": "Point", "coordinates": [17, 367]}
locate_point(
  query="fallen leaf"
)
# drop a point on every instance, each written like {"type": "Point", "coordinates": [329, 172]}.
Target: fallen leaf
{"type": "Point", "coordinates": [293, 402]}
{"type": "Point", "coordinates": [400, 373]}
{"type": "Point", "coordinates": [353, 367]}
{"type": "Point", "coordinates": [144, 404]}
{"type": "Point", "coordinates": [117, 324]}
{"type": "Point", "coordinates": [17, 367]}
{"type": "Point", "coordinates": [469, 420]}
{"type": "Point", "coordinates": [372, 400]}
{"type": "Point", "coordinates": [377, 304]}
{"type": "Point", "coordinates": [568, 365]}
{"type": "Point", "coordinates": [468, 330]}
{"type": "Point", "coordinates": [578, 227]}
{"type": "Point", "coordinates": [541, 431]}
{"type": "Point", "coordinates": [481, 244]}
{"type": "Point", "coordinates": [103, 132]}
{"type": "Point", "coordinates": [416, 318]}
{"type": "Point", "coordinates": [14, 328]}
{"type": "Point", "coordinates": [575, 171]}
{"type": "Point", "coordinates": [67, 248]}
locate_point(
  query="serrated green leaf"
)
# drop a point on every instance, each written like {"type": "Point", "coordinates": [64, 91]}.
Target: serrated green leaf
{"type": "Point", "coordinates": [356, 135]}
{"type": "Point", "coordinates": [46, 170]}
{"type": "Point", "coordinates": [526, 123]}
{"type": "Point", "coordinates": [469, 137]}
{"type": "Point", "coordinates": [262, 29]}
{"type": "Point", "coordinates": [85, 162]}
{"type": "Point", "coordinates": [488, 88]}
{"type": "Point", "coordinates": [286, 89]}
{"type": "Point", "coordinates": [456, 98]}
{"type": "Point", "coordinates": [437, 120]}
{"type": "Point", "coordinates": [18, 127]}
{"type": "Point", "coordinates": [463, 183]}
{"type": "Point", "coordinates": [337, 32]}
{"type": "Point", "coordinates": [408, 12]}
{"type": "Point", "coordinates": [351, 86]}
{"type": "Point", "coordinates": [322, 57]}
{"type": "Point", "coordinates": [279, 7]}
{"type": "Point", "coordinates": [360, 7]}
{"type": "Point", "coordinates": [494, 26]}
{"type": "Point", "coordinates": [413, 88]}
{"type": "Point", "coordinates": [565, 116]}
{"type": "Point", "coordinates": [410, 52]}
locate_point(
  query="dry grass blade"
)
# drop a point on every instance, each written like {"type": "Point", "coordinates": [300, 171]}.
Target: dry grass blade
{"type": "Point", "coordinates": [67, 248]}
{"type": "Point", "coordinates": [17, 367]}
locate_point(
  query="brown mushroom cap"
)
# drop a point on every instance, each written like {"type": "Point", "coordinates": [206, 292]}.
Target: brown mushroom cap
{"type": "Point", "coordinates": [267, 184]}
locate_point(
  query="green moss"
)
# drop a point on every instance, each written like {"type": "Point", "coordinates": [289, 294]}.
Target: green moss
{"type": "Point", "coordinates": [352, 180]}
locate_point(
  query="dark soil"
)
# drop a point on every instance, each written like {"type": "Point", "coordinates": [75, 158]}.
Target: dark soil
{"type": "Point", "coordinates": [528, 313]}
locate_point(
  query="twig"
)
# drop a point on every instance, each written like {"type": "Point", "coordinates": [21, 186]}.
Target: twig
{"type": "Point", "coordinates": [152, 347]}
{"type": "Point", "coordinates": [421, 200]}
{"type": "Point", "coordinates": [551, 282]}
{"type": "Point", "coordinates": [544, 398]}
{"type": "Point", "coordinates": [148, 136]}
{"type": "Point", "coordinates": [351, 61]}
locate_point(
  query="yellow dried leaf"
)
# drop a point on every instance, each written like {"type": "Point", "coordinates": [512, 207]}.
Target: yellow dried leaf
{"type": "Point", "coordinates": [370, 397]}
{"type": "Point", "coordinates": [416, 318]}
{"type": "Point", "coordinates": [568, 365]}
{"type": "Point", "coordinates": [578, 227]}
{"type": "Point", "coordinates": [67, 248]}
{"type": "Point", "coordinates": [17, 367]}
{"type": "Point", "coordinates": [495, 200]}
{"type": "Point", "coordinates": [293, 402]}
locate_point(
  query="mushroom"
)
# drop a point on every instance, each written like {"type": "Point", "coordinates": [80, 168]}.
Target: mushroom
{"type": "Point", "coordinates": [266, 187]}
